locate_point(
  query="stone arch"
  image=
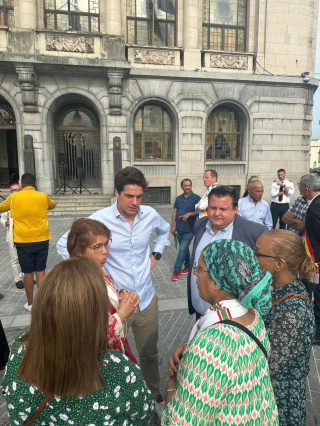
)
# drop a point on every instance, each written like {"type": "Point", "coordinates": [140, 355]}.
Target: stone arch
{"type": "Point", "coordinates": [57, 102]}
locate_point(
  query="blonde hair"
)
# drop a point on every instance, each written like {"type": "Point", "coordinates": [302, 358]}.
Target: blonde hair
{"type": "Point", "coordinates": [250, 180]}
{"type": "Point", "coordinates": [288, 245]}
{"type": "Point", "coordinates": [68, 330]}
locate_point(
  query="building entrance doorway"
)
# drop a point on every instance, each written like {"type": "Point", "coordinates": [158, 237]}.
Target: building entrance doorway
{"type": "Point", "coordinates": [78, 146]}
{"type": "Point", "coordinates": [9, 169]}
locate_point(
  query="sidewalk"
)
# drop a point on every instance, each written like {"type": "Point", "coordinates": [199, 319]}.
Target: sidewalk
{"type": "Point", "coordinates": [174, 321]}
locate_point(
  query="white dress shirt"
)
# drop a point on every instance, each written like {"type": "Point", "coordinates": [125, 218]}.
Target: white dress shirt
{"type": "Point", "coordinates": [259, 212]}
{"type": "Point", "coordinates": [128, 260]}
{"type": "Point", "coordinates": [275, 188]}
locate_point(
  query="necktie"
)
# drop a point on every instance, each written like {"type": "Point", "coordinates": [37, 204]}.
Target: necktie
{"type": "Point", "coordinates": [280, 190]}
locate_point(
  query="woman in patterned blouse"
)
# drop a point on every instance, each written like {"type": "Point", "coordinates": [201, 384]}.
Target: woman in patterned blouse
{"type": "Point", "coordinates": [223, 376]}
{"type": "Point", "coordinates": [92, 239]}
{"type": "Point", "coordinates": [290, 323]}
{"type": "Point", "coordinates": [66, 357]}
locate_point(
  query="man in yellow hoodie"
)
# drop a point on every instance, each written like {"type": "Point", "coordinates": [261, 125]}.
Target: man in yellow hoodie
{"type": "Point", "coordinates": [28, 209]}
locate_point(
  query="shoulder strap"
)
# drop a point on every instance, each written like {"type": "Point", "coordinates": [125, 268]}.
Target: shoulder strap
{"type": "Point", "coordinates": [43, 403]}
{"type": "Point", "coordinates": [286, 296]}
{"type": "Point", "coordinates": [248, 332]}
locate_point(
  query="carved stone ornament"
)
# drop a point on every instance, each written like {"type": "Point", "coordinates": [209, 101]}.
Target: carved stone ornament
{"type": "Point", "coordinates": [229, 62]}
{"type": "Point", "coordinates": [154, 57]}
{"type": "Point", "coordinates": [27, 78]}
{"type": "Point", "coordinates": [70, 44]}
{"type": "Point", "coordinates": [115, 92]}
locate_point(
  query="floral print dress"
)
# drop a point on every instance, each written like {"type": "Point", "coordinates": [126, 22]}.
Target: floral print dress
{"type": "Point", "coordinates": [124, 400]}
{"type": "Point", "coordinates": [290, 326]}
{"type": "Point", "coordinates": [224, 380]}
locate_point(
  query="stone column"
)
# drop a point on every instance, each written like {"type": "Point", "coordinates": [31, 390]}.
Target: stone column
{"type": "Point", "coordinates": [28, 14]}
{"type": "Point", "coordinates": [113, 17]}
{"type": "Point", "coordinates": [192, 51]}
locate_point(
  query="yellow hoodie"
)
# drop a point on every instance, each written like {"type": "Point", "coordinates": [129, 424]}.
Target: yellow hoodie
{"type": "Point", "coordinates": [29, 213]}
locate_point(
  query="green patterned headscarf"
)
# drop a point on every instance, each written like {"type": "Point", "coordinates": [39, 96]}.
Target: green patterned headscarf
{"type": "Point", "coordinates": [235, 269]}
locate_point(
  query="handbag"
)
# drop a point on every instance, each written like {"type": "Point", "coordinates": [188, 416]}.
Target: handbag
{"type": "Point", "coordinates": [42, 404]}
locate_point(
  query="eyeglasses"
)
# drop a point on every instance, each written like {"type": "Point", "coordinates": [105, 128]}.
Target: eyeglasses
{"type": "Point", "coordinates": [266, 255]}
{"type": "Point", "coordinates": [14, 190]}
{"type": "Point", "coordinates": [197, 268]}
{"type": "Point", "coordinates": [98, 247]}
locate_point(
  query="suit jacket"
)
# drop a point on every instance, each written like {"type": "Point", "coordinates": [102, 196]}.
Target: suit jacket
{"type": "Point", "coordinates": [244, 230]}
{"type": "Point", "coordinates": [312, 221]}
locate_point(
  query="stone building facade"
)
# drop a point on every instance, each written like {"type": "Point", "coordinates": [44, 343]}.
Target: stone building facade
{"type": "Point", "coordinates": [172, 87]}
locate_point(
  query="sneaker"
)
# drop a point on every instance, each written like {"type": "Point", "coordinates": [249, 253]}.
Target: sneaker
{"type": "Point", "coordinates": [27, 307]}
{"type": "Point", "coordinates": [159, 406]}
{"type": "Point", "coordinates": [184, 271]}
{"type": "Point", "coordinates": [19, 284]}
{"type": "Point", "coordinates": [176, 275]}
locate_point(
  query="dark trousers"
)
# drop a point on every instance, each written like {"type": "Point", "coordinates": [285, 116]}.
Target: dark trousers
{"type": "Point", "coordinates": [277, 211]}
{"type": "Point", "coordinates": [315, 290]}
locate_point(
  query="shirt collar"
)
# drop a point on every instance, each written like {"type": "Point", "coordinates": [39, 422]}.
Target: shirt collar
{"type": "Point", "coordinates": [209, 227]}
{"type": "Point", "coordinates": [117, 214]}
{"type": "Point", "coordinates": [28, 188]}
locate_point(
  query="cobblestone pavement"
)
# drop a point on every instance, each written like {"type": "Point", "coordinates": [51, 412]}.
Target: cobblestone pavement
{"type": "Point", "coordinates": [174, 321]}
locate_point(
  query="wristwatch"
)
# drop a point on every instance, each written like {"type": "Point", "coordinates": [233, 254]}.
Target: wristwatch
{"type": "Point", "coordinates": [156, 255]}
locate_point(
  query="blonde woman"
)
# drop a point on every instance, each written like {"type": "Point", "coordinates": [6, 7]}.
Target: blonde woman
{"type": "Point", "coordinates": [65, 362]}
{"type": "Point", "coordinates": [251, 179]}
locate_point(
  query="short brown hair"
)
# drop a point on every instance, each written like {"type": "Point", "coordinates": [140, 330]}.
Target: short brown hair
{"type": "Point", "coordinates": [82, 234]}
{"type": "Point", "coordinates": [130, 176]}
{"type": "Point", "coordinates": [288, 245]}
{"type": "Point", "coordinates": [68, 331]}
{"type": "Point", "coordinates": [213, 173]}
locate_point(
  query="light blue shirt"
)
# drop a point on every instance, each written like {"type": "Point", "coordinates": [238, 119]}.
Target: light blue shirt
{"type": "Point", "coordinates": [128, 260]}
{"type": "Point", "coordinates": [208, 237]}
{"type": "Point", "coordinates": [259, 212]}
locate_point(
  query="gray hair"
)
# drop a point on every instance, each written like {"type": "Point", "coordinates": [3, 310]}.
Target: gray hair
{"type": "Point", "coordinates": [312, 181]}
{"type": "Point", "coordinates": [251, 184]}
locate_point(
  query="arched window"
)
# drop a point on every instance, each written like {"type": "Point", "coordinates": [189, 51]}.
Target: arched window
{"type": "Point", "coordinates": [224, 25]}
{"type": "Point", "coordinates": [152, 134]}
{"type": "Point", "coordinates": [76, 15]}
{"type": "Point", "coordinates": [151, 22]}
{"type": "Point", "coordinates": [224, 135]}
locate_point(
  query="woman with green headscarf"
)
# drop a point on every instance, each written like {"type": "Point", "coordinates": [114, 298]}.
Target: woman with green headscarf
{"type": "Point", "coordinates": [221, 376]}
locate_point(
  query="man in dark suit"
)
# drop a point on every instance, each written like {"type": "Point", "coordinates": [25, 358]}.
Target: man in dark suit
{"type": "Point", "coordinates": [222, 222]}
{"type": "Point", "coordinates": [310, 189]}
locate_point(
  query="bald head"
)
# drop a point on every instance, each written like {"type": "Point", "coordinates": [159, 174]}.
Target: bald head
{"type": "Point", "coordinates": [255, 190]}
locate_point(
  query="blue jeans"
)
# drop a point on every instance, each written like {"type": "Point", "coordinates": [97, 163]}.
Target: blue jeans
{"type": "Point", "coordinates": [184, 239]}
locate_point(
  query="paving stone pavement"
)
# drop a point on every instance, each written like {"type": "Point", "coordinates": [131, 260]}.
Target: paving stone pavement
{"type": "Point", "coordinates": [174, 321]}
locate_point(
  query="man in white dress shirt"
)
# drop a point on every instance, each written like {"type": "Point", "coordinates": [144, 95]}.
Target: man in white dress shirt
{"type": "Point", "coordinates": [253, 207]}
{"type": "Point", "coordinates": [280, 191]}
{"type": "Point", "coordinates": [210, 181]}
